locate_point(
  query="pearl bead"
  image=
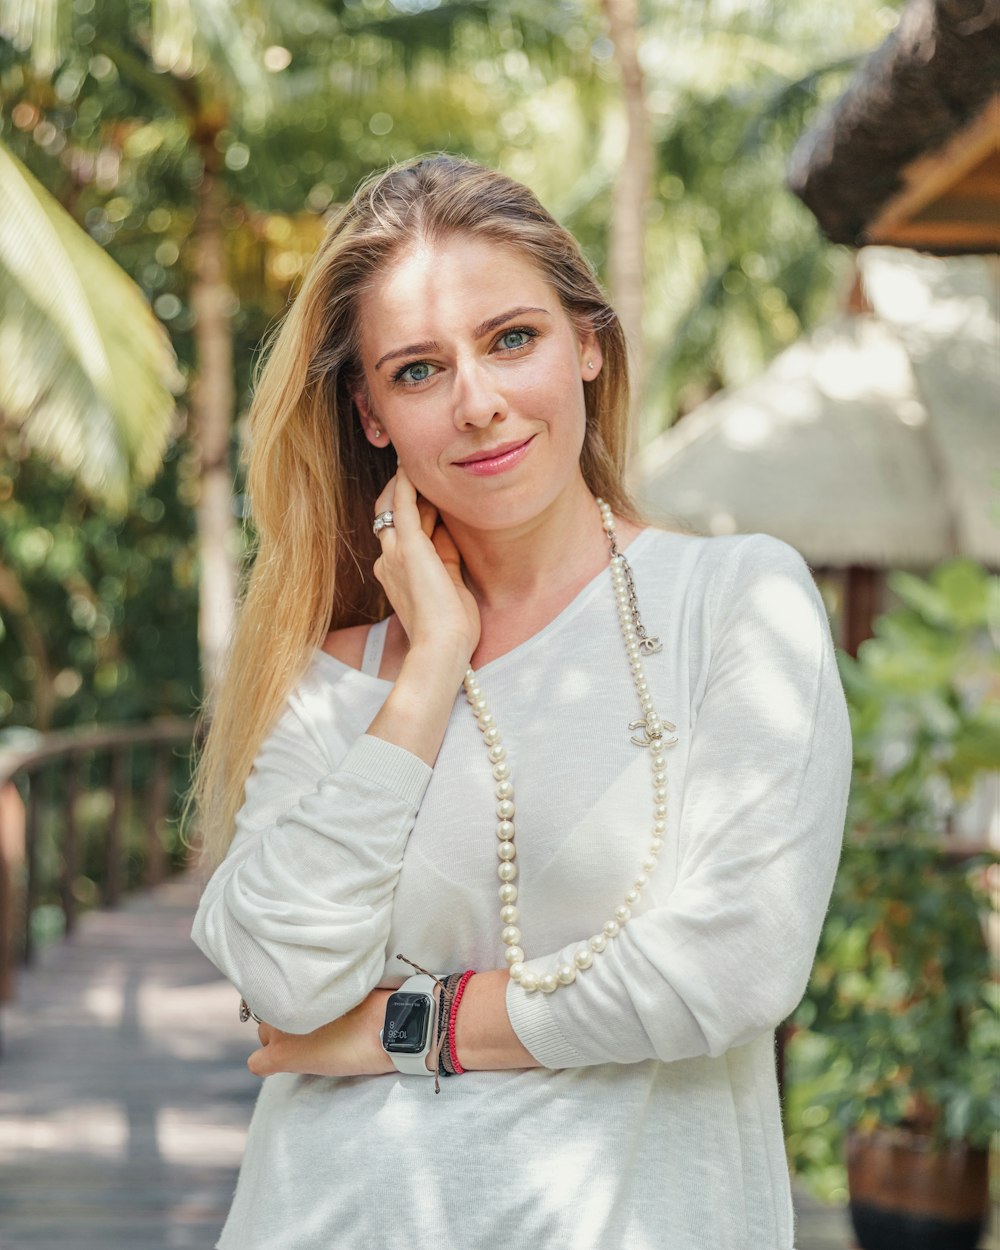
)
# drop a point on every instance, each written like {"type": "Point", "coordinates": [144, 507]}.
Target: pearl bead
{"type": "Point", "coordinates": [492, 734]}
{"type": "Point", "coordinates": [660, 794]}
{"type": "Point", "coordinates": [648, 864]}
{"type": "Point", "coordinates": [507, 892]}
{"type": "Point", "coordinates": [505, 830]}
{"type": "Point", "coordinates": [623, 913]}
{"type": "Point", "coordinates": [507, 872]}
{"type": "Point", "coordinates": [505, 809]}
{"type": "Point", "coordinates": [508, 914]}
{"type": "Point", "coordinates": [547, 983]}
{"type": "Point", "coordinates": [659, 777]}
{"type": "Point", "coordinates": [504, 789]}
{"type": "Point", "coordinates": [500, 771]}
{"type": "Point", "coordinates": [656, 846]}
{"type": "Point", "coordinates": [511, 936]}
{"type": "Point", "coordinates": [641, 881]}
{"type": "Point", "coordinates": [514, 955]}
{"type": "Point", "coordinates": [632, 897]}
{"type": "Point", "coordinates": [515, 971]}
{"type": "Point", "coordinates": [529, 980]}
{"type": "Point", "coordinates": [583, 958]}
{"type": "Point", "coordinates": [506, 850]}
{"type": "Point", "coordinates": [660, 811]}
{"type": "Point", "coordinates": [598, 942]}
{"type": "Point", "coordinates": [480, 705]}
{"type": "Point", "coordinates": [659, 826]}
{"type": "Point", "coordinates": [497, 753]}
{"type": "Point", "coordinates": [566, 974]}
{"type": "Point", "coordinates": [611, 928]}
{"type": "Point", "coordinates": [485, 720]}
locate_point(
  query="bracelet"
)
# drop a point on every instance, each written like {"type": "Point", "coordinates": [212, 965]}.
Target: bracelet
{"type": "Point", "coordinates": [448, 986]}
{"type": "Point", "coordinates": [452, 1018]}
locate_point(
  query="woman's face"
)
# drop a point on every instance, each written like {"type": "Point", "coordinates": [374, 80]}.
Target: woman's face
{"type": "Point", "coordinates": [475, 374]}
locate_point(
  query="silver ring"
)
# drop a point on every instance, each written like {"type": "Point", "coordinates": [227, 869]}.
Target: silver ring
{"type": "Point", "coordinates": [382, 522]}
{"type": "Point", "coordinates": [246, 1014]}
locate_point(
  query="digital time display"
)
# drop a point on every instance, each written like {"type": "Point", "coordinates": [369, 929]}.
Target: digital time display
{"type": "Point", "coordinates": [407, 1020]}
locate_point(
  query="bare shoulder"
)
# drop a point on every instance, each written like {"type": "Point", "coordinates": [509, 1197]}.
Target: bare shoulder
{"type": "Point", "coordinates": [347, 645]}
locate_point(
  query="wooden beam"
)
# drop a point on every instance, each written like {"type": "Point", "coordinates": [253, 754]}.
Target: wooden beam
{"type": "Point", "coordinates": [931, 177]}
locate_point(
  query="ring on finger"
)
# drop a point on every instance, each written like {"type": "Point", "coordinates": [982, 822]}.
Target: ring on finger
{"type": "Point", "coordinates": [383, 521]}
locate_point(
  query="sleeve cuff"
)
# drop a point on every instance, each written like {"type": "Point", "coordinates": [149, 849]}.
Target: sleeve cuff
{"type": "Point", "coordinates": [391, 767]}
{"type": "Point", "coordinates": [538, 1032]}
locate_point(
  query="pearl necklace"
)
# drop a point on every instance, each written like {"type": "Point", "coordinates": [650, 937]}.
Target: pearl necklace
{"type": "Point", "coordinates": [651, 734]}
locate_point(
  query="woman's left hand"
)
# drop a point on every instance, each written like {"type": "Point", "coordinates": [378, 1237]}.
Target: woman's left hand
{"type": "Point", "coordinates": [348, 1046]}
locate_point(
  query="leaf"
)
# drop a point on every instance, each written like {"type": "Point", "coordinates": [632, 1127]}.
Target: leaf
{"type": "Point", "coordinates": [86, 370]}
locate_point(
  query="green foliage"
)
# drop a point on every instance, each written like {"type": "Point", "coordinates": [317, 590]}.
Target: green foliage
{"type": "Point", "coordinates": [900, 1023]}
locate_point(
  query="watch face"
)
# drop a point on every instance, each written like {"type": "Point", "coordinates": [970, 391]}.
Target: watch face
{"type": "Point", "coordinates": [407, 1020]}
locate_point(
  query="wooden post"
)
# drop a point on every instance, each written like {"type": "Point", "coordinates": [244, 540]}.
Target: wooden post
{"type": "Point", "coordinates": [71, 848]}
{"type": "Point", "coordinates": [35, 792]}
{"type": "Point", "coordinates": [113, 860]}
{"type": "Point", "coordinates": [12, 834]}
{"type": "Point", "coordinates": [156, 863]}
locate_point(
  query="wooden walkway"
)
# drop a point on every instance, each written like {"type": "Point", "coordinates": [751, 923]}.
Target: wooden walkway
{"type": "Point", "coordinates": [124, 1095]}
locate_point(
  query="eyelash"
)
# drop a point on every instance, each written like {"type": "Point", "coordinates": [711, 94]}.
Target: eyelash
{"type": "Point", "coordinates": [399, 375]}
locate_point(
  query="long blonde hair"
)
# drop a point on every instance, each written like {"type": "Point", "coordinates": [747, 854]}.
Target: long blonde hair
{"type": "Point", "coordinates": [312, 477]}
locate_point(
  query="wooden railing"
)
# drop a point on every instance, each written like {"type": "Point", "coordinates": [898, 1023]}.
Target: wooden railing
{"type": "Point", "coordinates": [48, 781]}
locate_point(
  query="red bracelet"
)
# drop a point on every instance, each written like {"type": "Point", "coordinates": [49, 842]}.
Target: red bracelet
{"type": "Point", "coordinates": [452, 1016]}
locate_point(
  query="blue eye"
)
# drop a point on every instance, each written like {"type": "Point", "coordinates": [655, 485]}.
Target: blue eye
{"type": "Point", "coordinates": [521, 339]}
{"type": "Point", "coordinates": [419, 371]}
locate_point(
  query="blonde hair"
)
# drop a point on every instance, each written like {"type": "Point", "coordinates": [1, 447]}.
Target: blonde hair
{"type": "Point", "coordinates": [312, 476]}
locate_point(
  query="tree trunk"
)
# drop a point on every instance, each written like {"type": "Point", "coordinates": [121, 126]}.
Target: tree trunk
{"type": "Point", "coordinates": [631, 196]}
{"type": "Point", "coordinates": [213, 405]}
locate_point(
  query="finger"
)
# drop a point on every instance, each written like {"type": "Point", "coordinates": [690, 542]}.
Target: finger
{"type": "Point", "coordinates": [384, 503]}
{"type": "Point", "coordinates": [405, 499]}
{"type": "Point", "coordinates": [259, 1062]}
{"type": "Point", "coordinates": [428, 515]}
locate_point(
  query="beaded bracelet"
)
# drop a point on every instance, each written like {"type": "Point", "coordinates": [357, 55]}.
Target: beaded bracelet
{"type": "Point", "coordinates": [453, 1017]}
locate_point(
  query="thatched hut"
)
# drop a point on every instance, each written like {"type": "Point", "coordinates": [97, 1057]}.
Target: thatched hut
{"type": "Point", "coordinates": [910, 153]}
{"type": "Point", "coordinates": [872, 444]}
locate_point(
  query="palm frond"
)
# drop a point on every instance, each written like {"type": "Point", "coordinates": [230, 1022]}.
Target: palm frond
{"type": "Point", "coordinates": [86, 370]}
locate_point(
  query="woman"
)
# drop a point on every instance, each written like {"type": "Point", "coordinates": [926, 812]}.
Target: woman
{"type": "Point", "coordinates": [614, 788]}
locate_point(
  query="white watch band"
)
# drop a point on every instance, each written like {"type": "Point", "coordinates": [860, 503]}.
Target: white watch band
{"type": "Point", "coordinates": [416, 1065]}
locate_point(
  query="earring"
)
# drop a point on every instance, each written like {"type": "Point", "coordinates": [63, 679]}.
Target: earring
{"type": "Point", "coordinates": [377, 433]}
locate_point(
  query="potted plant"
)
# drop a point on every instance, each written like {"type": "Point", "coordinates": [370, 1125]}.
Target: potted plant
{"type": "Point", "coordinates": [902, 1008]}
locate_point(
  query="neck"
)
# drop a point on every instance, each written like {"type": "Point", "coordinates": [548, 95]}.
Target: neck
{"type": "Point", "coordinates": [547, 557]}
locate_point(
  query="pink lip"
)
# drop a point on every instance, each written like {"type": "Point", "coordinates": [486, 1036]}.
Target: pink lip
{"type": "Point", "coordinates": [498, 460]}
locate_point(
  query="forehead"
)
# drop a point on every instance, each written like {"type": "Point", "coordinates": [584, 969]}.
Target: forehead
{"type": "Point", "coordinates": [446, 286]}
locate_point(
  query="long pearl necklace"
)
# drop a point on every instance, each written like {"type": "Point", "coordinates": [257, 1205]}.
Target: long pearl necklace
{"type": "Point", "coordinates": [650, 727]}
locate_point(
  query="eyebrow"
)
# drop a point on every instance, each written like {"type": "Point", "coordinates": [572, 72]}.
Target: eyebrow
{"type": "Point", "coordinates": [416, 349]}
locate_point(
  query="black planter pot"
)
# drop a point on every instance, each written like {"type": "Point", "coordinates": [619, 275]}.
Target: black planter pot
{"type": "Point", "coordinates": [907, 1195]}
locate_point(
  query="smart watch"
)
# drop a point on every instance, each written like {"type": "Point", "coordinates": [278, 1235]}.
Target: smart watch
{"type": "Point", "coordinates": [408, 1033]}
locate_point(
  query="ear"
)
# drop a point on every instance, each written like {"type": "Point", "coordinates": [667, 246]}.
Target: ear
{"type": "Point", "coordinates": [591, 356]}
{"type": "Point", "coordinates": [369, 422]}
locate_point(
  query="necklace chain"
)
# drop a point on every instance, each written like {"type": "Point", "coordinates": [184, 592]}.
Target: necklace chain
{"type": "Point", "coordinates": [651, 734]}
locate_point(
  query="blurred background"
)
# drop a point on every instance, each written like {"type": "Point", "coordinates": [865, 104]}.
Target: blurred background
{"type": "Point", "coordinates": [796, 210]}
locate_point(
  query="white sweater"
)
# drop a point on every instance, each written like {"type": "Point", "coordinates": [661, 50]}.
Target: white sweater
{"type": "Point", "coordinates": [654, 1123]}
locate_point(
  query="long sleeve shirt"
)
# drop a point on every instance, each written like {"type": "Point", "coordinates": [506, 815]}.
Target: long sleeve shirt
{"type": "Point", "coordinates": [654, 1120]}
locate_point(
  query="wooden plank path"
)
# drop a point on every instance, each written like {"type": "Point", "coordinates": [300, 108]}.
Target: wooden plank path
{"type": "Point", "coordinates": [124, 1095]}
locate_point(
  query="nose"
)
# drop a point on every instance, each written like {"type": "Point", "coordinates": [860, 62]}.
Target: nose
{"type": "Point", "coordinates": [478, 399]}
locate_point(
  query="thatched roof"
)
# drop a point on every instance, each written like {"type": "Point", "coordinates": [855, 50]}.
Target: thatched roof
{"type": "Point", "coordinates": [875, 441]}
{"type": "Point", "coordinates": [929, 84]}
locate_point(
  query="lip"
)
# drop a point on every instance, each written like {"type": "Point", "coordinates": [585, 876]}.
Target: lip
{"type": "Point", "coordinates": [496, 459]}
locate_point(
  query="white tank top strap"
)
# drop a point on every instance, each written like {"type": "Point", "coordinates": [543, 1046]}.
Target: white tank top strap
{"type": "Point", "coordinates": [371, 661]}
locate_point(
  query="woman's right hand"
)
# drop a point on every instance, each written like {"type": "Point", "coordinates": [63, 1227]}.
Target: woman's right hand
{"type": "Point", "coordinates": [420, 570]}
